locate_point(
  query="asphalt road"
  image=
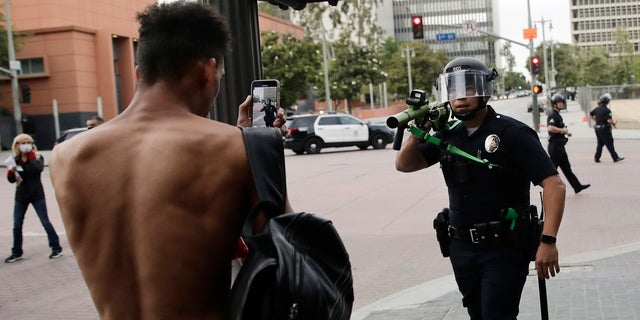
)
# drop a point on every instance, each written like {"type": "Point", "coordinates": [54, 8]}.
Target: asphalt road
{"type": "Point", "coordinates": [383, 216]}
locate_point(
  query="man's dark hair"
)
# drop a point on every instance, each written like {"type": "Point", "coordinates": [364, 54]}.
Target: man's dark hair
{"type": "Point", "coordinates": [97, 118]}
{"type": "Point", "coordinates": [175, 36]}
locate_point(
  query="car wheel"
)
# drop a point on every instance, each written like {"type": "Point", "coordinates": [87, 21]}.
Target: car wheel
{"type": "Point", "coordinates": [298, 151]}
{"type": "Point", "coordinates": [378, 141]}
{"type": "Point", "coordinates": [313, 146]}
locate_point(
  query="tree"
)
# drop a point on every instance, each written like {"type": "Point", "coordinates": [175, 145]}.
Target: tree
{"type": "Point", "coordinates": [293, 62]}
{"type": "Point", "coordinates": [352, 29]}
{"type": "Point", "coordinates": [623, 65]}
{"type": "Point", "coordinates": [594, 64]}
{"type": "Point", "coordinates": [505, 51]}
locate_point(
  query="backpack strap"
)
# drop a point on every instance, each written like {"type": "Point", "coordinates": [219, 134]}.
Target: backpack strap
{"type": "Point", "coordinates": [265, 152]}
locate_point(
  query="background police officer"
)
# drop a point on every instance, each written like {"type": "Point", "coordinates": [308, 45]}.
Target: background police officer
{"type": "Point", "coordinates": [558, 133]}
{"type": "Point", "coordinates": [490, 278]}
{"type": "Point", "coordinates": [604, 121]}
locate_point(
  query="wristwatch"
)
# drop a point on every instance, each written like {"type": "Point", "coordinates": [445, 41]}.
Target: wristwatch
{"type": "Point", "coordinates": [548, 239]}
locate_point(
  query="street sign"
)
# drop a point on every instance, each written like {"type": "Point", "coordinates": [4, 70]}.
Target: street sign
{"type": "Point", "coordinates": [445, 36]}
{"type": "Point", "coordinates": [469, 26]}
{"type": "Point", "coordinates": [15, 65]}
{"type": "Point", "coordinates": [530, 33]}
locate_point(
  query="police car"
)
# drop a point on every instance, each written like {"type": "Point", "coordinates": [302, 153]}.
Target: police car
{"type": "Point", "coordinates": [312, 133]}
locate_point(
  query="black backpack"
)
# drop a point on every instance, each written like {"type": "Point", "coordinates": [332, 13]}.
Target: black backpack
{"type": "Point", "coordinates": [297, 267]}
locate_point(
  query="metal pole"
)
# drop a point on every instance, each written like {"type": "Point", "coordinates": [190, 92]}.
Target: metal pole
{"type": "Point", "coordinates": [325, 64]}
{"type": "Point", "coordinates": [56, 118]}
{"type": "Point", "coordinates": [534, 107]}
{"type": "Point", "coordinates": [371, 94]}
{"type": "Point", "coordinates": [17, 114]}
{"type": "Point", "coordinates": [544, 61]}
{"type": "Point", "coordinates": [553, 66]}
{"type": "Point", "coordinates": [384, 88]}
{"type": "Point", "coordinates": [408, 52]}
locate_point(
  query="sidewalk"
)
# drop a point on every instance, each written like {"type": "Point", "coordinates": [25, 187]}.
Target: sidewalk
{"type": "Point", "coordinates": [598, 285]}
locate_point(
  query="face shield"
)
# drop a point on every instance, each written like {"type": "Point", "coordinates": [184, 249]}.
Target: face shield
{"type": "Point", "coordinates": [464, 84]}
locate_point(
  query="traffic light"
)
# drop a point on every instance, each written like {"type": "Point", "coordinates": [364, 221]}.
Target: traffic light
{"type": "Point", "coordinates": [418, 29]}
{"type": "Point", "coordinates": [535, 65]}
{"type": "Point", "coordinates": [537, 89]}
{"type": "Point", "coordinates": [26, 93]}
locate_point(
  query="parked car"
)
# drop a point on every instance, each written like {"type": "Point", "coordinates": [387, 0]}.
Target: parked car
{"type": "Point", "coordinates": [541, 105]}
{"type": "Point", "coordinates": [68, 134]}
{"type": "Point", "coordinates": [312, 133]}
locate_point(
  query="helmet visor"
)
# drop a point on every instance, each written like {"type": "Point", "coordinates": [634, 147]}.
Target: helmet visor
{"type": "Point", "coordinates": [464, 84]}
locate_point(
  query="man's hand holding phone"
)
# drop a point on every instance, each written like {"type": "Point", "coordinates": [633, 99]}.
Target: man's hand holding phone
{"type": "Point", "coordinates": [245, 121]}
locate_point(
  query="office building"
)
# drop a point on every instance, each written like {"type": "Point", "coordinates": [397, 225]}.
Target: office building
{"type": "Point", "coordinates": [443, 25]}
{"type": "Point", "coordinates": [594, 23]}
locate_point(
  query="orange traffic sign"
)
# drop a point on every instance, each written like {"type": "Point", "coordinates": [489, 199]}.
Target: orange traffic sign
{"type": "Point", "coordinates": [530, 33]}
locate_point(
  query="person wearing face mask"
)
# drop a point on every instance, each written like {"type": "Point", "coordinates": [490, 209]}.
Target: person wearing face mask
{"type": "Point", "coordinates": [488, 161]}
{"type": "Point", "coordinates": [29, 190]}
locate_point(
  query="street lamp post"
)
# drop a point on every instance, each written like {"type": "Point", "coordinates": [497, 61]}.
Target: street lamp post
{"type": "Point", "coordinates": [547, 81]}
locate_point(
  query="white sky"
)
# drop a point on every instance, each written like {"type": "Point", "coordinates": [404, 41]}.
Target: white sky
{"type": "Point", "coordinates": [514, 18]}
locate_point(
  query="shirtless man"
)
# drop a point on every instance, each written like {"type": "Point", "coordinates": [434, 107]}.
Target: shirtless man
{"type": "Point", "coordinates": [153, 202]}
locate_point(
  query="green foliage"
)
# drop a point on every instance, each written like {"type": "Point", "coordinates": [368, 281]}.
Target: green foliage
{"type": "Point", "coordinates": [295, 63]}
{"type": "Point", "coordinates": [512, 80]}
{"type": "Point", "coordinates": [18, 42]}
{"type": "Point", "coordinates": [426, 65]}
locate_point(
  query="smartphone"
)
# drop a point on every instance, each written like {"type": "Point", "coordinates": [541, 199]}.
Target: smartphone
{"type": "Point", "coordinates": [266, 101]}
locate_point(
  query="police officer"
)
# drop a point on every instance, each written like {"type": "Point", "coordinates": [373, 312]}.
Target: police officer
{"type": "Point", "coordinates": [558, 133]}
{"type": "Point", "coordinates": [490, 277]}
{"type": "Point", "coordinates": [604, 121]}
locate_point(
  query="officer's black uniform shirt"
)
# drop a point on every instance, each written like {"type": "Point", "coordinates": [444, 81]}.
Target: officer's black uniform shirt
{"type": "Point", "coordinates": [555, 119]}
{"type": "Point", "coordinates": [477, 193]}
{"type": "Point", "coordinates": [602, 114]}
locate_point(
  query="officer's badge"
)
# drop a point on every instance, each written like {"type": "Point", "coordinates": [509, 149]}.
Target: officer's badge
{"type": "Point", "coordinates": [491, 143]}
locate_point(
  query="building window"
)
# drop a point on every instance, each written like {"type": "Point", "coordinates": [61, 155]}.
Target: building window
{"type": "Point", "coordinates": [32, 65]}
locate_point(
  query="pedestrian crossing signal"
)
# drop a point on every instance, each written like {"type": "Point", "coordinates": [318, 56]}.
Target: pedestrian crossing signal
{"type": "Point", "coordinates": [417, 26]}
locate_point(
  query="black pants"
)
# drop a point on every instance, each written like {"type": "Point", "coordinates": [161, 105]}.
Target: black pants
{"type": "Point", "coordinates": [605, 138]}
{"type": "Point", "coordinates": [559, 157]}
{"type": "Point", "coordinates": [490, 280]}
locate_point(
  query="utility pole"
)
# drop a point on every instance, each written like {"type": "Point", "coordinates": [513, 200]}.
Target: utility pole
{"type": "Point", "coordinates": [535, 110]}
{"type": "Point", "coordinates": [325, 64]}
{"type": "Point", "coordinates": [17, 114]}
{"type": "Point", "coordinates": [408, 51]}
{"type": "Point", "coordinates": [544, 60]}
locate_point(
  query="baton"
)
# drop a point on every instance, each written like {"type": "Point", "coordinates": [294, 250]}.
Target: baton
{"type": "Point", "coordinates": [544, 309]}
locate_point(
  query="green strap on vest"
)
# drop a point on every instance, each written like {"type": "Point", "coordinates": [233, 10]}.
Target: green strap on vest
{"type": "Point", "coordinates": [451, 148]}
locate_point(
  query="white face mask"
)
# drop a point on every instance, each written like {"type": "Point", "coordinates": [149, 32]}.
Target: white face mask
{"type": "Point", "coordinates": [26, 148]}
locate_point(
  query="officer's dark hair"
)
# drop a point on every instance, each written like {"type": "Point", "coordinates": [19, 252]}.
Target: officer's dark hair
{"type": "Point", "coordinates": [175, 36]}
{"type": "Point", "coordinates": [557, 98]}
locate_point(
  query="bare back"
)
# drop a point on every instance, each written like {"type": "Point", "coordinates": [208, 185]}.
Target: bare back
{"type": "Point", "coordinates": [153, 204]}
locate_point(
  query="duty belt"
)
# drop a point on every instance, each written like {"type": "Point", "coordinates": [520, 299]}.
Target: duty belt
{"type": "Point", "coordinates": [601, 126]}
{"type": "Point", "coordinates": [491, 231]}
